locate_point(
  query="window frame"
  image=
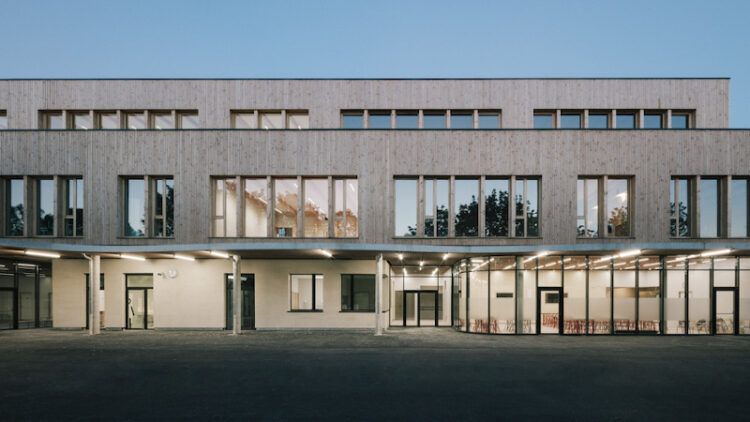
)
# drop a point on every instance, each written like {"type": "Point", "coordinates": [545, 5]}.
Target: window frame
{"type": "Point", "coordinates": [181, 114]}
{"type": "Point", "coordinates": [662, 116]}
{"type": "Point", "coordinates": [552, 114]}
{"type": "Point", "coordinates": [98, 119]}
{"type": "Point", "coordinates": [577, 113]}
{"type": "Point", "coordinates": [4, 120]}
{"type": "Point", "coordinates": [345, 199]}
{"type": "Point", "coordinates": [45, 119]}
{"type": "Point", "coordinates": [497, 114]}
{"type": "Point", "coordinates": [605, 217]}
{"type": "Point", "coordinates": [730, 196]}
{"type": "Point", "coordinates": [164, 215]}
{"type": "Point", "coordinates": [675, 214]}
{"type": "Point", "coordinates": [74, 216]}
{"type": "Point", "coordinates": [351, 293]}
{"type": "Point", "coordinates": [586, 180]}
{"type": "Point", "coordinates": [37, 199]}
{"type": "Point", "coordinates": [313, 289]}
{"type": "Point", "coordinates": [353, 113]}
{"type": "Point", "coordinates": [525, 211]}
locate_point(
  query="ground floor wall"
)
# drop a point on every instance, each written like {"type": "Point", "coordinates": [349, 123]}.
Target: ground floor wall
{"type": "Point", "coordinates": [190, 295]}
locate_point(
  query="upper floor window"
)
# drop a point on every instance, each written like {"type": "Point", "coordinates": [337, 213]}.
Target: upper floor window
{"type": "Point", "coordinates": [462, 119]}
{"type": "Point", "coordinates": [148, 207]}
{"type": "Point", "coordinates": [680, 206]}
{"type": "Point", "coordinates": [135, 207]}
{"type": "Point", "coordinates": [114, 119]}
{"type": "Point", "coordinates": [45, 207]}
{"type": "Point", "coordinates": [489, 120]}
{"type": "Point", "coordinates": [80, 120]}
{"type": "Point", "coordinates": [405, 207]}
{"type": "Point", "coordinates": [379, 119]}
{"type": "Point", "coordinates": [107, 120]}
{"type": "Point", "coordinates": [346, 207]}
{"type": "Point", "coordinates": [598, 120]}
{"type": "Point", "coordinates": [163, 206]}
{"type": "Point", "coordinates": [52, 120]}
{"type": "Point", "coordinates": [270, 119]}
{"type": "Point", "coordinates": [244, 120]}
{"type": "Point", "coordinates": [626, 120]}
{"type": "Point", "coordinates": [306, 292]}
{"type": "Point", "coordinates": [571, 120]}
{"type": "Point", "coordinates": [496, 207]}
{"type": "Point", "coordinates": [135, 120]}
{"type": "Point", "coordinates": [357, 293]}
{"type": "Point", "coordinates": [406, 119]}
{"type": "Point", "coordinates": [544, 120]}
{"type": "Point", "coordinates": [315, 214]}
{"type": "Point", "coordinates": [738, 207]}
{"type": "Point", "coordinates": [297, 120]}
{"type": "Point", "coordinates": [437, 207]}
{"type": "Point", "coordinates": [618, 207]}
{"type": "Point", "coordinates": [466, 207]}
{"type": "Point", "coordinates": [653, 120]}
{"type": "Point", "coordinates": [681, 120]}
{"type": "Point", "coordinates": [188, 120]}
{"type": "Point", "coordinates": [588, 207]}
{"type": "Point", "coordinates": [162, 120]}
{"type": "Point", "coordinates": [527, 196]}
{"type": "Point", "coordinates": [710, 207]}
{"type": "Point", "coordinates": [15, 207]}
{"type": "Point", "coordinates": [224, 219]}
{"type": "Point", "coordinates": [73, 206]}
{"type": "Point", "coordinates": [434, 119]}
{"type": "Point", "coordinates": [3, 120]}
{"type": "Point", "coordinates": [255, 207]}
{"type": "Point", "coordinates": [352, 119]}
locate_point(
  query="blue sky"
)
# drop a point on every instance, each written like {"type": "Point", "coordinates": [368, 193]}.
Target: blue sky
{"type": "Point", "coordinates": [384, 38]}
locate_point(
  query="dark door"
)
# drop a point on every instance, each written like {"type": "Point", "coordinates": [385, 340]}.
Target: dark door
{"type": "Point", "coordinates": [139, 308]}
{"type": "Point", "coordinates": [421, 308]}
{"type": "Point", "coordinates": [8, 309]}
{"type": "Point", "coordinates": [725, 303]}
{"type": "Point", "coordinates": [549, 310]}
{"type": "Point", "coordinates": [247, 316]}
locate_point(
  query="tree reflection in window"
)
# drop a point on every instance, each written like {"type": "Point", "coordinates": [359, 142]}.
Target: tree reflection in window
{"type": "Point", "coordinates": [467, 207]}
{"type": "Point", "coordinates": [496, 207]}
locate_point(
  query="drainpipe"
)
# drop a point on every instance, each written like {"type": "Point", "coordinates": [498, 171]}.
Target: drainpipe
{"type": "Point", "coordinates": [236, 295]}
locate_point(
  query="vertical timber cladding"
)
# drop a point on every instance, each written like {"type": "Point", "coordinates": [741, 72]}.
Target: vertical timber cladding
{"type": "Point", "coordinates": [375, 157]}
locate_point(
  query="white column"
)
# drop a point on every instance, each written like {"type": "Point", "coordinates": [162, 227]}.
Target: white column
{"type": "Point", "coordinates": [378, 294]}
{"type": "Point", "coordinates": [236, 295]}
{"type": "Point", "coordinates": [94, 278]}
{"type": "Point", "coordinates": [90, 298]}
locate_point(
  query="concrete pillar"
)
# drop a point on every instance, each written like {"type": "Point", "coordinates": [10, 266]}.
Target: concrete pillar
{"type": "Point", "coordinates": [236, 295]}
{"type": "Point", "coordinates": [378, 294]}
{"type": "Point", "coordinates": [95, 277]}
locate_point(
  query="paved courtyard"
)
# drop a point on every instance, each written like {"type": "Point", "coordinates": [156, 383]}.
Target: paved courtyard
{"type": "Point", "coordinates": [414, 374]}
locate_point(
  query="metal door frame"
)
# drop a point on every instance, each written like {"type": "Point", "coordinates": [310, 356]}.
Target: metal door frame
{"type": "Point", "coordinates": [560, 305]}
{"type": "Point", "coordinates": [735, 310]}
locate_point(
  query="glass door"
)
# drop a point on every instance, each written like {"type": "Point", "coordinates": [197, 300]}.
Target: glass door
{"type": "Point", "coordinates": [7, 309]}
{"type": "Point", "coordinates": [137, 307]}
{"type": "Point", "coordinates": [410, 309]}
{"type": "Point", "coordinates": [428, 304]}
{"type": "Point", "coordinates": [724, 310]}
{"type": "Point", "coordinates": [549, 310]}
{"type": "Point", "coordinates": [247, 316]}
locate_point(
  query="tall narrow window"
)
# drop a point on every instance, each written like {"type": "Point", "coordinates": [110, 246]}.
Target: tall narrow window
{"type": "Point", "coordinates": [315, 221]}
{"type": "Point", "coordinates": [352, 119]}
{"type": "Point", "coordinates": [588, 207]}
{"type": "Point", "coordinates": [3, 120]}
{"type": "Point", "coordinates": [618, 207]}
{"type": "Point", "coordinates": [433, 119]}
{"type": "Point", "coordinates": [163, 207]}
{"type": "Point", "coordinates": [357, 293]}
{"type": "Point", "coordinates": [135, 208]}
{"type": "Point", "coordinates": [256, 207]}
{"type": "Point", "coordinates": [244, 120]}
{"type": "Point", "coordinates": [466, 207]}
{"type": "Point", "coordinates": [626, 120]}
{"type": "Point", "coordinates": [188, 120]}
{"type": "Point", "coordinates": [45, 207]}
{"type": "Point", "coordinates": [680, 207]}
{"type": "Point", "coordinates": [407, 120]}
{"type": "Point", "coordinates": [270, 120]}
{"type": "Point", "coordinates": [297, 120]}
{"type": "Point", "coordinates": [80, 120]}
{"type": "Point", "coordinates": [15, 207]}
{"type": "Point", "coordinates": [738, 206]}
{"type": "Point", "coordinates": [162, 120]}
{"type": "Point", "coordinates": [52, 120]}
{"type": "Point", "coordinates": [570, 120]}
{"type": "Point", "coordinates": [379, 119]}
{"type": "Point", "coordinates": [73, 206]}
{"type": "Point", "coordinates": [462, 119]}
{"type": "Point", "coordinates": [544, 120]}
{"type": "Point", "coordinates": [709, 208]}
{"type": "Point", "coordinates": [527, 207]}
{"type": "Point", "coordinates": [653, 120]}
{"type": "Point", "coordinates": [346, 208]}
{"type": "Point", "coordinates": [490, 120]}
{"type": "Point", "coordinates": [405, 207]}
{"type": "Point", "coordinates": [436, 203]}
{"type": "Point", "coordinates": [135, 120]}
{"type": "Point", "coordinates": [496, 211]}
{"type": "Point", "coordinates": [598, 120]}
{"type": "Point", "coordinates": [107, 120]}
{"type": "Point", "coordinates": [306, 292]}
{"type": "Point", "coordinates": [225, 207]}
{"type": "Point", "coordinates": [286, 192]}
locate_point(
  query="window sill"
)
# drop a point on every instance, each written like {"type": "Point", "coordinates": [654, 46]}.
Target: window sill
{"type": "Point", "coordinates": [305, 311]}
{"type": "Point", "coordinates": [145, 237]}
{"type": "Point", "coordinates": [278, 238]}
{"type": "Point", "coordinates": [464, 237]}
{"type": "Point", "coordinates": [355, 312]}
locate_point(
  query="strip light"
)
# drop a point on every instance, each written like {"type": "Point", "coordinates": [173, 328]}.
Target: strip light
{"type": "Point", "coordinates": [716, 252]}
{"type": "Point", "coordinates": [184, 257]}
{"type": "Point", "coordinates": [132, 257]}
{"type": "Point", "coordinates": [326, 253]}
{"type": "Point", "coordinates": [220, 254]}
{"type": "Point", "coordinates": [43, 254]}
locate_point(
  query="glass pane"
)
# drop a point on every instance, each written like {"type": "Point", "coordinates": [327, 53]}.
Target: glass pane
{"type": "Point", "coordinates": [82, 121]}
{"type": "Point", "coordinates": [163, 120]}
{"type": "Point", "coordinates": [219, 211]}
{"type": "Point", "coordinates": [442, 199]}
{"type": "Point", "coordinates": [738, 208]}
{"type": "Point", "coordinates": [362, 293]}
{"type": "Point", "coordinates": [379, 120]}
{"type": "Point", "coordinates": [466, 207]}
{"type": "Point", "coordinates": [527, 302]}
{"type": "Point", "coordinates": [598, 121]}
{"type": "Point", "coordinates": [709, 208]}
{"type": "Point", "coordinates": [79, 209]}
{"type": "Point", "coordinates": [599, 297]}
{"type": "Point", "coordinates": [297, 121]}
{"type": "Point", "coordinates": [256, 208]}
{"type": "Point", "coordinates": [189, 121]}
{"type": "Point", "coordinates": [285, 207]}
{"type": "Point", "coordinates": [300, 292]}
{"type": "Point", "coordinates": [352, 120]}
{"type": "Point", "coordinates": [725, 312]}
{"type": "Point", "coordinates": [271, 121]}
{"type": "Point", "coordinates": [406, 120]}
{"type": "Point", "coordinates": [54, 121]}
{"type": "Point", "coordinates": [109, 121]}
{"type": "Point", "coordinates": [625, 120]}
{"type": "Point", "coordinates": [429, 207]}
{"type": "Point", "coordinates": [316, 208]}
{"type": "Point", "coordinates": [544, 121]}
{"type": "Point", "coordinates": [680, 121]}
{"type": "Point", "coordinates": [434, 120]}
{"type": "Point", "coordinates": [319, 291]}
{"type": "Point", "coordinates": [502, 301]}
{"type": "Point", "coordinates": [140, 280]}
{"type": "Point", "coordinates": [618, 216]}
{"type": "Point", "coordinates": [699, 299]}
{"type": "Point", "coordinates": [406, 207]}
{"type": "Point", "coordinates": [6, 309]}
{"type": "Point", "coordinates": [346, 208]}
{"type": "Point", "coordinates": [462, 120]}
{"type": "Point", "coordinates": [496, 195]}
{"type": "Point", "coordinates": [26, 299]}
{"type": "Point", "coordinates": [244, 121]}
{"type": "Point", "coordinates": [575, 297]}
{"type": "Point", "coordinates": [519, 193]}
{"type": "Point", "coordinates": [135, 208]}
{"type": "Point", "coordinates": [489, 121]}
{"type": "Point", "coordinates": [570, 121]}
{"type": "Point", "coordinates": [532, 207]}
{"type": "Point", "coordinates": [3, 126]}
{"type": "Point", "coordinates": [136, 309]}
{"type": "Point", "coordinates": [744, 302]}
{"type": "Point", "coordinates": [16, 208]}
{"type": "Point", "coordinates": [478, 301]}
{"type": "Point", "coordinates": [624, 301]}
{"type": "Point", "coordinates": [652, 121]}
{"type": "Point", "coordinates": [674, 302]}
{"type": "Point", "coordinates": [169, 215]}
{"type": "Point", "coordinates": [45, 207]}
{"type": "Point", "coordinates": [135, 120]}
{"type": "Point", "coordinates": [648, 296]}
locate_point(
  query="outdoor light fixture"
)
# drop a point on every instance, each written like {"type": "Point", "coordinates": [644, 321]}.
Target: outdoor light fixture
{"type": "Point", "coordinates": [629, 253]}
{"type": "Point", "coordinates": [400, 257]}
{"type": "Point", "coordinates": [421, 263]}
{"type": "Point", "coordinates": [184, 257]}
{"type": "Point", "coordinates": [326, 253]}
{"type": "Point", "coordinates": [445, 257]}
{"type": "Point", "coordinates": [42, 254]}
{"type": "Point", "coordinates": [133, 257]}
{"type": "Point", "coordinates": [602, 259]}
{"type": "Point", "coordinates": [539, 255]}
{"type": "Point", "coordinates": [220, 254]}
{"type": "Point", "coordinates": [716, 252]}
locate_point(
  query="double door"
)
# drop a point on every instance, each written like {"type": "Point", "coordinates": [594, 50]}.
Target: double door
{"type": "Point", "coordinates": [421, 308]}
{"type": "Point", "coordinates": [247, 315]}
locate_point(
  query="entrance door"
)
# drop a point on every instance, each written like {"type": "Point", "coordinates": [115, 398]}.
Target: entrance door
{"type": "Point", "coordinates": [549, 310]}
{"type": "Point", "coordinates": [140, 308]}
{"type": "Point", "coordinates": [725, 310]}
{"type": "Point", "coordinates": [7, 309]}
{"type": "Point", "coordinates": [421, 308]}
{"type": "Point", "coordinates": [247, 316]}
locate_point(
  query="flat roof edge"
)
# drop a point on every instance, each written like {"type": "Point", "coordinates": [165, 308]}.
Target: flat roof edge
{"type": "Point", "coordinates": [373, 79]}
